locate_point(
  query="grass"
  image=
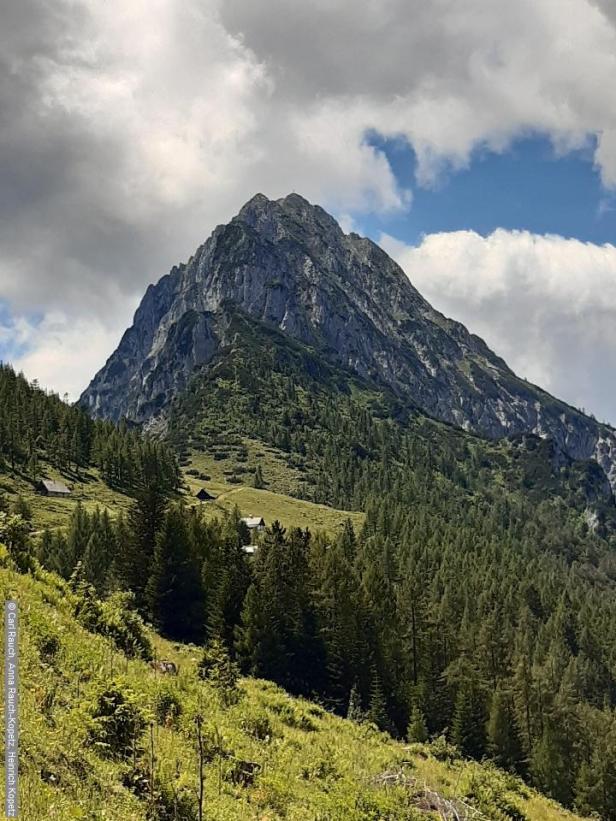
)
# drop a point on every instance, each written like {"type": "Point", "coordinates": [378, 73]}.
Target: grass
{"type": "Point", "coordinates": [312, 765]}
{"type": "Point", "coordinates": [241, 459]}
{"type": "Point", "coordinates": [271, 503]}
{"type": "Point", "coordinates": [289, 512]}
{"type": "Point", "coordinates": [87, 488]}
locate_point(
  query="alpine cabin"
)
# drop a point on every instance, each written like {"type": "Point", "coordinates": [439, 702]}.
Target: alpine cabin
{"type": "Point", "coordinates": [49, 487]}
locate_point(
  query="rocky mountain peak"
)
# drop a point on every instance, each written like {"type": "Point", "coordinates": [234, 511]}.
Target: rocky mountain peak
{"type": "Point", "coordinates": [290, 217]}
{"type": "Point", "coordinates": [287, 264]}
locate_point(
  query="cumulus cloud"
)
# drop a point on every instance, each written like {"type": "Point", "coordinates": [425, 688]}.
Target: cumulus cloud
{"type": "Point", "coordinates": [129, 129]}
{"type": "Point", "coordinates": [546, 304]}
{"type": "Point", "coordinates": [58, 350]}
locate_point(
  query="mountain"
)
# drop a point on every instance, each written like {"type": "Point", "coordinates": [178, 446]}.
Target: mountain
{"type": "Point", "coordinates": [287, 264]}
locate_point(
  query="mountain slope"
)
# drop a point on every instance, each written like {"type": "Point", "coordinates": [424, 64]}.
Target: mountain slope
{"type": "Point", "coordinates": [345, 770]}
{"type": "Point", "coordinates": [288, 263]}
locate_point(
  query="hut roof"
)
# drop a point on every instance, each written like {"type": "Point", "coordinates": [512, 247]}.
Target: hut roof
{"type": "Point", "coordinates": [51, 486]}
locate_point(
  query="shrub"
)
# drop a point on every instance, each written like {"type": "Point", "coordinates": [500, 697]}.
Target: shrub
{"type": "Point", "coordinates": [114, 618]}
{"type": "Point", "coordinates": [21, 507]}
{"type": "Point", "coordinates": [14, 533]}
{"type": "Point", "coordinates": [488, 792]}
{"type": "Point", "coordinates": [217, 667]}
{"type": "Point", "coordinates": [166, 802]}
{"type": "Point", "coordinates": [322, 769]}
{"type": "Point", "coordinates": [168, 708]}
{"type": "Point", "coordinates": [117, 722]}
{"type": "Point", "coordinates": [122, 623]}
{"type": "Point", "coordinates": [258, 727]}
{"type": "Point", "coordinates": [48, 645]}
{"type": "Point", "coordinates": [442, 750]}
{"type": "Point", "coordinates": [292, 717]}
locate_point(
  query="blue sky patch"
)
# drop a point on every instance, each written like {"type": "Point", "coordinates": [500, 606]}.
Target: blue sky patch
{"type": "Point", "coordinates": [528, 187]}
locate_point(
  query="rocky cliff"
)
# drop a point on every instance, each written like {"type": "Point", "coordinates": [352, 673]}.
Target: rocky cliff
{"type": "Point", "coordinates": [289, 264]}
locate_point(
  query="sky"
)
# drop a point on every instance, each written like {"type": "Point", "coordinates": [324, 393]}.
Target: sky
{"type": "Point", "coordinates": [475, 140]}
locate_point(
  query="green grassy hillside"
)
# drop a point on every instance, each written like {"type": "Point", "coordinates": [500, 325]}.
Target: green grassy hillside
{"type": "Point", "coordinates": [272, 502]}
{"type": "Point", "coordinates": [86, 487]}
{"type": "Point", "coordinates": [268, 756]}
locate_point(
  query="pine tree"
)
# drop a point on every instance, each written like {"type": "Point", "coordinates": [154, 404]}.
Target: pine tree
{"type": "Point", "coordinates": [174, 594]}
{"type": "Point", "coordinates": [355, 711]}
{"type": "Point", "coordinates": [277, 638]}
{"type": "Point", "coordinates": [220, 671]}
{"type": "Point", "coordinates": [79, 532]}
{"type": "Point", "coordinates": [417, 730]}
{"type": "Point", "coordinates": [469, 720]}
{"type": "Point", "coordinates": [259, 481]}
{"type": "Point", "coordinates": [503, 741]}
{"type": "Point", "coordinates": [549, 764]}
{"type": "Point", "coordinates": [137, 553]}
{"type": "Point", "coordinates": [377, 710]}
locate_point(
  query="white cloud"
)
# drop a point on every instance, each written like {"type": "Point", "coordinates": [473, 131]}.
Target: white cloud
{"type": "Point", "coordinates": [61, 352]}
{"type": "Point", "coordinates": [129, 129]}
{"type": "Point", "coordinates": [546, 304]}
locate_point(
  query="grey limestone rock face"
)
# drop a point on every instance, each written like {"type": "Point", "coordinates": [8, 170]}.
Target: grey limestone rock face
{"type": "Point", "coordinates": [288, 263]}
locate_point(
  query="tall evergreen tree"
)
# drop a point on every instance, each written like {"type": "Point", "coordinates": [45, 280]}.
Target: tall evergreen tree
{"type": "Point", "coordinates": [174, 594]}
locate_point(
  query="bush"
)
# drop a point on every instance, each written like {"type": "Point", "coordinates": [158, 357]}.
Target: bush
{"type": "Point", "coordinates": [122, 623]}
{"type": "Point", "coordinates": [21, 507]}
{"type": "Point", "coordinates": [168, 708]}
{"type": "Point", "coordinates": [258, 727]}
{"type": "Point", "coordinates": [442, 750]}
{"type": "Point", "coordinates": [488, 792]}
{"type": "Point", "coordinates": [217, 667]}
{"type": "Point", "coordinates": [114, 618]}
{"type": "Point", "coordinates": [170, 803]}
{"type": "Point", "coordinates": [117, 722]}
{"type": "Point", "coordinates": [48, 646]}
{"type": "Point", "coordinates": [14, 533]}
{"type": "Point", "coordinates": [292, 717]}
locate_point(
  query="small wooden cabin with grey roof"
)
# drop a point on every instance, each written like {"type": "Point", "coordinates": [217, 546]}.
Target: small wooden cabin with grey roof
{"type": "Point", "coordinates": [49, 487]}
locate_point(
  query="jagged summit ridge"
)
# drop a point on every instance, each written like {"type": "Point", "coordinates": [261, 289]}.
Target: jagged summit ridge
{"type": "Point", "coordinates": [287, 263]}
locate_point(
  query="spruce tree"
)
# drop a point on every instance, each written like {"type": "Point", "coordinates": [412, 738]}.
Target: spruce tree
{"type": "Point", "coordinates": [355, 711]}
{"type": "Point", "coordinates": [417, 730]}
{"type": "Point", "coordinates": [377, 709]}
{"type": "Point", "coordinates": [174, 594]}
{"type": "Point", "coordinates": [503, 741]}
{"type": "Point", "coordinates": [469, 720]}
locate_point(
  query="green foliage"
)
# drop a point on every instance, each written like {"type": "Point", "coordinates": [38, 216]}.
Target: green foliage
{"type": "Point", "coordinates": [217, 667]}
{"type": "Point", "coordinates": [335, 771]}
{"type": "Point", "coordinates": [293, 717]}
{"type": "Point", "coordinates": [36, 426]}
{"type": "Point", "coordinates": [417, 730]}
{"type": "Point", "coordinates": [48, 645]}
{"type": "Point", "coordinates": [259, 481]}
{"type": "Point", "coordinates": [117, 722]}
{"type": "Point", "coordinates": [258, 726]}
{"type": "Point", "coordinates": [14, 532]}
{"type": "Point", "coordinates": [174, 591]}
{"type": "Point", "coordinates": [168, 707]}
{"type": "Point", "coordinates": [121, 622]}
{"type": "Point", "coordinates": [114, 617]}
